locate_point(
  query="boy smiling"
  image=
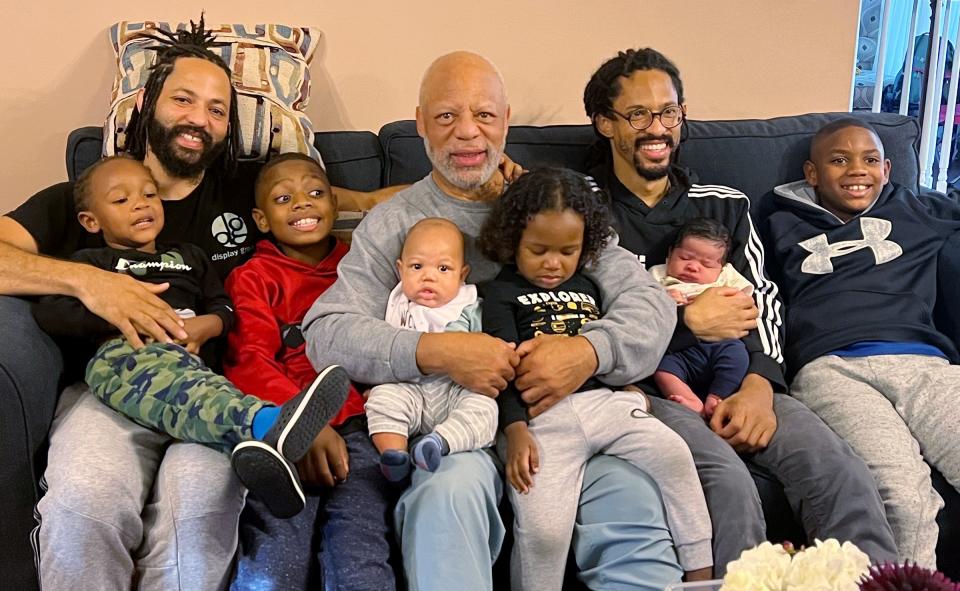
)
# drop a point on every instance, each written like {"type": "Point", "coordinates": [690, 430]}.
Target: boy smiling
{"type": "Point", "coordinates": [856, 260]}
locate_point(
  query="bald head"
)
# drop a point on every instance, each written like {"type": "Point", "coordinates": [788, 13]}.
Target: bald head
{"type": "Point", "coordinates": [435, 231]}
{"type": "Point", "coordinates": [460, 65]}
{"type": "Point", "coordinates": [463, 118]}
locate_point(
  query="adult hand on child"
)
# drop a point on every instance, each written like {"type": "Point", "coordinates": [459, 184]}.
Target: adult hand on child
{"type": "Point", "coordinates": [130, 305]}
{"type": "Point", "coordinates": [327, 462]}
{"type": "Point", "coordinates": [478, 362]}
{"type": "Point", "coordinates": [200, 330]}
{"type": "Point", "coordinates": [551, 368]}
{"type": "Point", "coordinates": [523, 457]}
{"type": "Point", "coordinates": [746, 419]}
{"type": "Point", "coordinates": [721, 313]}
{"type": "Point", "coordinates": [510, 170]}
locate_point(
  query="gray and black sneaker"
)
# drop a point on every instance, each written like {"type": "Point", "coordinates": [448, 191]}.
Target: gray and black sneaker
{"type": "Point", "coordinates": [266, 467]}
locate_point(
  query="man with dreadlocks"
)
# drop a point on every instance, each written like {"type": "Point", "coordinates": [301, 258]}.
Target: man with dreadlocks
{"type": "Point", "coordinates": [114, 513]}
{"type": "Point", "coordinates": [635, 101]}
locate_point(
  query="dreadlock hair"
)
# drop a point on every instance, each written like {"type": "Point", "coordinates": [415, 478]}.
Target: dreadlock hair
{"type": "Point", "coordinates": [280, 159]}
{"type": "Point", "coordinates": [842, 123]}
{"type": "Point", "coordinates": [604, 87]}
{"type": "Point", "coordinates": [195, 42]}
{"type": "Point", "coordinates": [707, 229]}
{"type": "Point", "coordinates": [81, 187]}
{"type": "Point", "coordinates": [546, 189]}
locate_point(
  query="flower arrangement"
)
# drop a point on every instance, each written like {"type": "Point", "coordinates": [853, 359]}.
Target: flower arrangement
{"type": "Point", "coordinates": [825, 566]}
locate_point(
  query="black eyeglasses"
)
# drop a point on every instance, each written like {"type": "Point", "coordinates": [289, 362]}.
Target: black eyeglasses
{"type": "Point", "coordinates": [641, 118]}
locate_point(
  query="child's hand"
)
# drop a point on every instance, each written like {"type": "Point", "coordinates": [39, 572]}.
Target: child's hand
{"type": "Point", "coordinates": [678, 297]}
{"type": "Point", "coordinates": [200, 330]}
{"type": "Point", "coordinates": [523, 457]}
{"type": "Point", "coordinates": [327, 462]}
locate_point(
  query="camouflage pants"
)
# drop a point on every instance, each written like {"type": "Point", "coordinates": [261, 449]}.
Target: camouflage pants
{"type": "Point", "coordinates": [164, 388]}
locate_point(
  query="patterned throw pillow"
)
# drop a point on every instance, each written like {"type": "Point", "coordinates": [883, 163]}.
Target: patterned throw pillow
{"type": "Point", "coordinates": [270, 72]}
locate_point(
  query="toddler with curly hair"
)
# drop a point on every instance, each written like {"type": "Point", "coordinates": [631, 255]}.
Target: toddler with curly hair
{"type": "Point", "coordinates": [544, 230]}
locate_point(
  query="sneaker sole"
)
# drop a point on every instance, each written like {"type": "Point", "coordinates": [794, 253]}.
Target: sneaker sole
{"type": "Point", "coordinates": [269, 477]}
{"type": "Point", "coordinates": [318, 404]}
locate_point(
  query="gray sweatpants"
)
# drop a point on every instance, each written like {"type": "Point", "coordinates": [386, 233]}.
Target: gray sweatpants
{"type": "Point", "coordinates": [578, 427]}
{"type": "Point", "coordinates": [465, 419]}
{"type": "Point", "coordinates": [130, 508]}
{"type": "Point", "coordinates": [895, 411]}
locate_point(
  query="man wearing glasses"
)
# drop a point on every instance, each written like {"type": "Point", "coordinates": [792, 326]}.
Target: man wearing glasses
{"type": "Point", "coordinates": [635, 101]}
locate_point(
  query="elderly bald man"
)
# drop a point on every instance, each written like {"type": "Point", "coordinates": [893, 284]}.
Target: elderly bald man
{"type": "Point", "coordinates": [448, 523]}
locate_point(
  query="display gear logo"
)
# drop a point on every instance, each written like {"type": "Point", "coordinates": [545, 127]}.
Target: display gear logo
{"type": "Point", "coordinates": [229, 230]}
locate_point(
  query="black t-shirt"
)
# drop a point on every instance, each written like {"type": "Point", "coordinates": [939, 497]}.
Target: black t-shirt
{"type": "Point", "coordinates": [516, 310]}
{"type": "Point", "coordinates": [216, 216]}
{"type": "Point", "coordinates": [193, 286]}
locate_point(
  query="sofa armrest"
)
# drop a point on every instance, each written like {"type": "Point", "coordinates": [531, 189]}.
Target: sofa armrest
{"type": "Point", "coordinates": [30, 368]}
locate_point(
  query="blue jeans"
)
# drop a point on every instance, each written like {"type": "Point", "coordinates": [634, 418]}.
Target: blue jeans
{"type": "Point", "coordinates": [451, 531]}
{"type": "Point", "coordinates": [341, 538]}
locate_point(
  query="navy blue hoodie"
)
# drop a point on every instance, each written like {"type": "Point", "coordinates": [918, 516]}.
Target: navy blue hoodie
{"type": "Point", "coordinates": [873, 278]}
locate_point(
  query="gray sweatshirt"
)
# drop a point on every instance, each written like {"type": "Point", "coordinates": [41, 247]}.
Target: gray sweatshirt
{"type": "Point", "coordinates": [345, 326]}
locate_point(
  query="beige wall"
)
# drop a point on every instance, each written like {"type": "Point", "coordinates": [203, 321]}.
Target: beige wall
{"type": "Point", "coordinates": [739, 58]}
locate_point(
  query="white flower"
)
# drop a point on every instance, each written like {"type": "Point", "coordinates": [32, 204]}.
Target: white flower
{"type": "Point", "coordinates": [826, 566]}
{"type": "Point", "coordinates": [759, 569]}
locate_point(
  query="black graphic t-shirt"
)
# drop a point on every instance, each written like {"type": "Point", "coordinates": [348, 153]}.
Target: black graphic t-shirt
{"type": "Point", "coordinates": [194, 287]}
{"type": "Point", "coordinates": [216, 216]}
{"type": "Point", "coordinates": [516, 310]}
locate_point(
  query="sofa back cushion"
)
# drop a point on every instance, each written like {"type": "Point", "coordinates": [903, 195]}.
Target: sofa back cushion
{"type": "Point", "coordinates": [352, 158]}
{"type": "Point", "coordinates": [753, 155]}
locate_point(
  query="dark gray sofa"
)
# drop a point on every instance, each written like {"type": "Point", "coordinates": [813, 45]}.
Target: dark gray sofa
{"type": "Point", "coordinates": [752, 155]}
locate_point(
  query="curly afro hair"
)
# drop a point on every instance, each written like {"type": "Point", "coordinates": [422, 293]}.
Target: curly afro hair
{"type": "Point", "coordinates": [546, 189]}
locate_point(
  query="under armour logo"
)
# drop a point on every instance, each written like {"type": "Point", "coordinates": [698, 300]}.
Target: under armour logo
{"type": "Point", "coordinates": [875, 232]}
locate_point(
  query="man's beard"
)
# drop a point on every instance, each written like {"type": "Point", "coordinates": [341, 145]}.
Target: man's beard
{"type": "Point", "coordinates": [468, 179]}
{"type": "Point", "coordinates": [648, 171]}
{"type": "Point", "coordinates": [177, 161]}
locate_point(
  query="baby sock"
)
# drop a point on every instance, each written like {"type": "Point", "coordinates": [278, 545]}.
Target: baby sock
{"type": "Point", "coordinates": [263, 420]}
{"type": "Point", "coordinates": [429, 450]}
{"type": "Point", "coordinates": [395, 464]}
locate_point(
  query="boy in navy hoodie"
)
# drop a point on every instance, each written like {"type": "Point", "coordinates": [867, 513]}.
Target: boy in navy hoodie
{"type": "Point", "coordinates": [856, 261]}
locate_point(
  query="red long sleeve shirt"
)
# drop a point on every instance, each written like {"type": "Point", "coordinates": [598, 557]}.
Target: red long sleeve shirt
{"type": "Point", "coordinates": [271, 291]}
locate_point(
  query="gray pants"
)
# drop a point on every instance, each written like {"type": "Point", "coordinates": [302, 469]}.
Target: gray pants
{"type": "Point", "coordinates": [581, 425]}
{"type": "Point", "coordinates": [827, 485]}
{"type": "Point", "coordinates": [127, 507]}
{"type": "Point", "coordinates": [465, 419]}
{"type": "Point", "coordinates": [895, 411]}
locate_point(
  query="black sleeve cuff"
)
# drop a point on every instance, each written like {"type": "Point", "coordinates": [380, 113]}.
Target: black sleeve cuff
{"type": "Point", "coordinates": [511, 406]}
{"type": "Point", "coordinates": [766, 367]}
{"type": "Point", "coordinates": [226, 316]}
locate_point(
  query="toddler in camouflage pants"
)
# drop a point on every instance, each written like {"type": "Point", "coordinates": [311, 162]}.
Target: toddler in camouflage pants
{"type": "Point", "coordinates": [166, 386]}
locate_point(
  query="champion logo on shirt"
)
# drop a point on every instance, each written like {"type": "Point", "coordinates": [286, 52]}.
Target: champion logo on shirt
{"type": "Point", "coordinates": [229, 230]}
{"type": "Point", "coordinates": [169, 261]}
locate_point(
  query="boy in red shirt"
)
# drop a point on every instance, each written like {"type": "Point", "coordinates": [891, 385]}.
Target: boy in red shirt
{"type": "Point", "coordinates": [266, 353]}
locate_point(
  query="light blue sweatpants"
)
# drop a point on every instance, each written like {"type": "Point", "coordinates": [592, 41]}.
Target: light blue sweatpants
{"type": "Point", "coordinates": [620, 538]}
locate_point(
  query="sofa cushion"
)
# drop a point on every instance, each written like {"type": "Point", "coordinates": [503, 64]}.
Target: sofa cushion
{"type": "Point", "coordinates": [753, 155]}
{"type": "Point", "coordinates": [352, 158]}
{"type": "Point", "coordinates": [270, 73]}
{"type": "Point", "coordinates": [405, 161]}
